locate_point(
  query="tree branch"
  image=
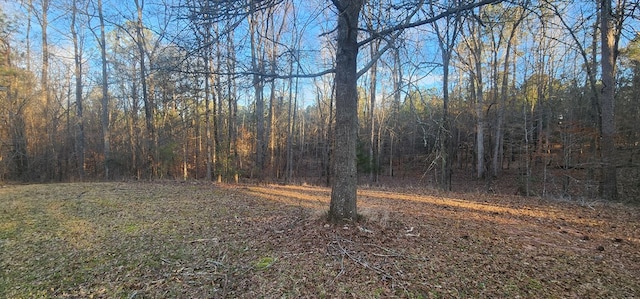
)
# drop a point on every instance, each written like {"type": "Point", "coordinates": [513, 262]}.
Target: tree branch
{"type": "Point", "coordinates": [446, 13]}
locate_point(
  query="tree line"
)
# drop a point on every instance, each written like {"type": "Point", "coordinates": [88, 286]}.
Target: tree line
{"type": "Point", "coordinates": [324, 91]}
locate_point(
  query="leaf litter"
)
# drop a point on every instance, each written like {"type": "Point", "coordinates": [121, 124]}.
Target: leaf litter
{"type": "Point", "coordinates": [193, 240]}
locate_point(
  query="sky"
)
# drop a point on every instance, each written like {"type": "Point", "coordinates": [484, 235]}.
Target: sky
{"type": "Point", "coordinates": [317, 17]}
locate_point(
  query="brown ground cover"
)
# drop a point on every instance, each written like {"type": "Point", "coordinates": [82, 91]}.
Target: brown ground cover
{"type": "Point", "coordinates": [192, 240]}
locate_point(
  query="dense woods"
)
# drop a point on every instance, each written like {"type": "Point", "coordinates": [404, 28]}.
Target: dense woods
{"type": "Point", "coordinates": [545, 94]}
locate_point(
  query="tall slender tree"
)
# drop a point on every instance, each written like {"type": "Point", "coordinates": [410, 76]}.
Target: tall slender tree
{"type": "Point", "coordinates": [105, 115]}
{"type": "Point", "coordinates": [77, 59]}
{"type": "Point", "coordinates": [257, 65]}
{"type": "Point", "coordinates": [447, 38]}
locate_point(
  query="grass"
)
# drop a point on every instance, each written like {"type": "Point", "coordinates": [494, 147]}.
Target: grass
{"type": "Point", "coordinates": [185, 240]}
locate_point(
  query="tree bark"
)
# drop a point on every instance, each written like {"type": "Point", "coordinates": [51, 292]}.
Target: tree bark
{"type": "Point", "coordinates": [343, 191]}
{"type": "Point", "coordinates": [609, 188]}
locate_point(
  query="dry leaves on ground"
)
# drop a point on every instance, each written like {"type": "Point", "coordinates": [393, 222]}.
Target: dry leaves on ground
{"type": "Point", "coordinates": [190, 240]}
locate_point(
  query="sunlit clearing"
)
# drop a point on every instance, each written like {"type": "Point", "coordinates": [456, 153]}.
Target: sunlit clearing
{"type": "Point", "coordinates": [290, 196]}
{"type": "Point", "coordinates": [79, 234]}
{"type": "Point", "coordinates": [318, 198]}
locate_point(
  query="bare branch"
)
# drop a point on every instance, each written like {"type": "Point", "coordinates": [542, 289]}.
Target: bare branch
{"type": "Point", "coordinates": [446, 13]}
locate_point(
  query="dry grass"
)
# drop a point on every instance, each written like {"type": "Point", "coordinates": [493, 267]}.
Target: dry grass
{"type": "Point", "coordinates": [187, 240]}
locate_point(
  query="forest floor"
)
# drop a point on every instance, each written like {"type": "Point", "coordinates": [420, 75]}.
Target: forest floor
{"type": "Point", "coordinates": [195, 240]}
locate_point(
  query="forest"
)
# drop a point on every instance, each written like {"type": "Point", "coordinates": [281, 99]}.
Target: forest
{"type": "Point", "coordinates": [527, 97]}
{"type": "Point", "coordinates": [191, 148]}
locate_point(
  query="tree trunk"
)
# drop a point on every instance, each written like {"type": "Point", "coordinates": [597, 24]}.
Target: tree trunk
{"type": "Point", "coordinates": [134, 133]}
{"type": "Point", "coordinates": [48, 116]}
{"type": "Point", "coordinates": [148, 101]}
{"type": "Point", "coordinates": [343, 191]}
{"type": "Point", "coordinates": [233, 109]}
{"type": "Point", "coordinates": [104, 119]}
{"type": "Point", "coordinates": [330, 140]}
{"type": "Point", "coordinates": [609, 188]}
{"type": "Point", "coordinates": [446, 41]}
{"type": "Point", "coordinates": [397, 96]}
{"type": "Point", "coordinates": [77, 51]}
{"type": "Point", "coordinates": [207, 114]}
{"type": "Point", "coordinates": [290, 121]}
{"type": "Point", "coordinates": [375, 45]}
{"type": "Point", "coordinates": [446, 150]}
{"type": "Point", "coordinates": [258, 85]}
{"type": "Point", "coordinates": [480, 121]}
{"type": "Point", "coordinates": [498, 153]}
{"type": "Point", "coordinates": [208, 91]}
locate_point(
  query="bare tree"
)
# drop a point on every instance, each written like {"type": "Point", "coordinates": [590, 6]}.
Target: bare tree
{"type": "Point", "coordinates": [343, 190]}
{"type": "Point", "coordinates": [374, 47]}
{"type": "Point", "coordinates": [16, 92]}
{"type": "Point", "coordinates": [104, 119]}
{"type": "Point", "coordinates": [44, 83]}
{"type": "Point", "coordinates": [77, 59]}
{"type": "Point", "coordinates": [609, 47]}
{"type": "Point", "coordinates": [474, 43]}
{"type": "Point", "coordinates": [257, 65]}
{"type": "Point", "coordinates": [609, 22]}
{"type": "Point", "coordinates": [447, 37]}
{"type": "Point", "coordinates": [514, 18]}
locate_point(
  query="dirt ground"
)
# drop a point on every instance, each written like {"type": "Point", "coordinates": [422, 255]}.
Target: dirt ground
{"type": "Point", "coordinates": [198, 240]}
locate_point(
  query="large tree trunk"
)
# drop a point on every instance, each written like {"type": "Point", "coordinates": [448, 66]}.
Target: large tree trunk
{"type": "Point", "coordinates": [343, 191]}
{"type": "Point", "coordinates": [609, 188]}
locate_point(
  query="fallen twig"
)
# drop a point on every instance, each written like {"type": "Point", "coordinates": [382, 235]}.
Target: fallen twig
{"type": "Point", "coordinates": [338, 246]}
{"type": "Point", "coordinates": [203, 240]}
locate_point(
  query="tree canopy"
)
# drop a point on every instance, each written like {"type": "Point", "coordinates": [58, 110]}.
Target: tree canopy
{"type": "Point", "coordinates": [257, 91]}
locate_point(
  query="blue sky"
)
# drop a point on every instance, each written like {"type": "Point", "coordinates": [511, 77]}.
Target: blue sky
{"type": "Point", "coordinates": [314, 16]}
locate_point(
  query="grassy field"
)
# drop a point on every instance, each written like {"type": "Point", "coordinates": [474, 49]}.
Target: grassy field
{"type": "Point", "coordinates": [189, 240]}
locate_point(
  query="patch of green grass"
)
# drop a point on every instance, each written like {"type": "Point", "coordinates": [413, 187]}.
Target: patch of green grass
{"type": "Point", "coordinates": [131, 228]}
{"type": "Point", "coordinates": [8, 230]}
{"type": "Point", "coordinates": [534, 284]}
{"type": "Point", "coordinates": [264, 263]}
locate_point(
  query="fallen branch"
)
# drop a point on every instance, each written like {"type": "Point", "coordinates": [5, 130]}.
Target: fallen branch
{"type": "Point", "coordinates": [337, 245]}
